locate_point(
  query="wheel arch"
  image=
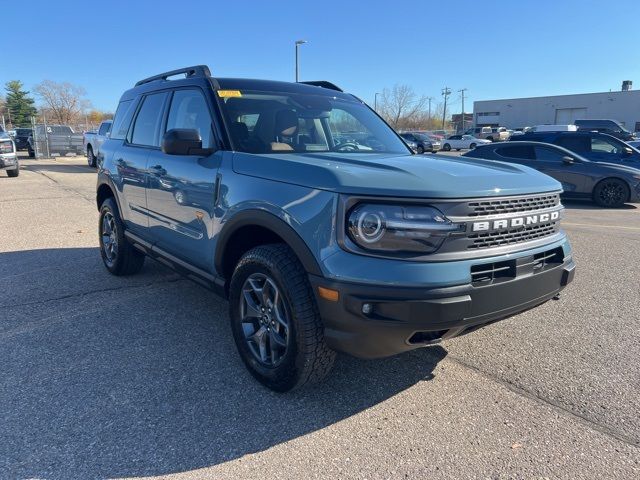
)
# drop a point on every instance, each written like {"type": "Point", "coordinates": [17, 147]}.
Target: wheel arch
{"type": "Point", "coordinates": [251, 228]}
{"type": "Point", "coordinates": [104, 190]}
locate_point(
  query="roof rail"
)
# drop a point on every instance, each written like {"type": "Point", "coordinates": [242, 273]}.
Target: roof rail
{"type": "Point", "coordinates": [195, 71]}
{"type": "Point", "coordinates": [323, 84]}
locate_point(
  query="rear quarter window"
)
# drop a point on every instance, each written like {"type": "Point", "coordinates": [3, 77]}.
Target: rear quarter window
{"type": "Point", "coordinates": [122, 119]}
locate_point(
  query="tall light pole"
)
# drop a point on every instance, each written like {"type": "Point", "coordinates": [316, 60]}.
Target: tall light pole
{"type": "Point", "coordinates": [298, 43]}
{"type": "Point", "coordinates": [429, 98]}
{"type": "Point", "coordinates": [375, 101]}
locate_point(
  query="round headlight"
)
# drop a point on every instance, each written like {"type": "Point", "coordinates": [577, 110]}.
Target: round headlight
{"type": "Point", "coordinates": [414, 229]}
{"type": "Point", "coordinates": [370, 226]}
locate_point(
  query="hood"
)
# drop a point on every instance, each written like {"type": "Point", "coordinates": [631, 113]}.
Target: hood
{"type": "Point", "coordinates": [424, 176]}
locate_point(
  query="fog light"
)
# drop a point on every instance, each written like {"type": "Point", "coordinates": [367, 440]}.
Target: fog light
{"type": "Point", "coordinates": [367, 308]}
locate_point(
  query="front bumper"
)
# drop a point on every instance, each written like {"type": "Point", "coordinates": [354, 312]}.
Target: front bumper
{"type": "Point", "coordinates": [405, 318]}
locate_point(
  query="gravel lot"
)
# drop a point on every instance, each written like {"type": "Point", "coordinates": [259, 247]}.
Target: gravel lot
{"type": "Point", "coordinates": [134, 377]}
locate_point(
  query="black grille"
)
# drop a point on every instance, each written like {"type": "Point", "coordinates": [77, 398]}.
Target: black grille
{"type": "Point", "coordinates": [506, 237]}
{"type": "Point", "coordinates": [513, 205]}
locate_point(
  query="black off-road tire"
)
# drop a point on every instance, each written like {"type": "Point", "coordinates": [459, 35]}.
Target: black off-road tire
{"type": "Point", "coordinates": [91, 158]}
{"type": "Point", "coordinates": [15, 172]}
{"type": "Point", "coordinates": [128, 260]}
{"type": "Point", "coordinates": [611, 193]}
{"type": "Point", "coordinates": [307, 358]}
{"type": "Point", "coordinates": [446, 147]}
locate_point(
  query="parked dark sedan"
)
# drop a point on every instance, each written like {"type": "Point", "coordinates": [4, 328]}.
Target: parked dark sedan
{"type": "Point", "coordinates": [22, 137]}
{"type": "Point", "coordinates": [607, 184]}
{"type": "Point", "coordinates": [595, 146]}
{"type": "Point", "coordinates": [423, 142]}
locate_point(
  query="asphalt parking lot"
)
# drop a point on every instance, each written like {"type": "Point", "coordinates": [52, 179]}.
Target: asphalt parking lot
{"type": "Point", "coordinates": [136, 377]}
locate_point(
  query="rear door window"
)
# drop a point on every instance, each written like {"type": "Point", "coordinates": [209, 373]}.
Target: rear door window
{"type": "Point", "coordinates": [546, 154]}
{"type": "Point", "coordinates": [578, 144]}
{"type": "Point", "coordinates": [146, 128]}
{"type": "Point", "coordinates": [524, 152]}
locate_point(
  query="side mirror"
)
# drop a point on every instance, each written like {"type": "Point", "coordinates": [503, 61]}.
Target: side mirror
{"type": "Point", "coordinates": [182, 141]}
{"type": "Point", "coordinates": [568, 160]}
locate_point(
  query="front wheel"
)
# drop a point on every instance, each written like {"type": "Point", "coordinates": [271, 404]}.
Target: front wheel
{"type": "Point", "coordinates": [446, 147]}
{"type": "Point", "coordinates": [15, 172]}
{"type": "Point", "coordinates": [420, 150]}
{"type": "Point", "coordinates": [118, 255]}
{"type": "Point", "coordinates": [472, 146]}
{"type": "Point", "coordinates": [275, 320]}
{"type": "Point", "coordinates": [611, 192]}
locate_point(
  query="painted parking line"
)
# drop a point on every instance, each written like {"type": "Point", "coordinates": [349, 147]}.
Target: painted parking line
{"type": "Point", "coordinates": [599, 226]}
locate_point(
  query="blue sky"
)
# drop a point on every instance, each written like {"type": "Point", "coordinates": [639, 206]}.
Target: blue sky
{"type": "Point", "coordinates": [497, 50]}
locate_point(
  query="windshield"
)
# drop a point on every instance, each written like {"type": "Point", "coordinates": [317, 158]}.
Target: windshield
{"type": "Point", "coordinates": [274, 122]}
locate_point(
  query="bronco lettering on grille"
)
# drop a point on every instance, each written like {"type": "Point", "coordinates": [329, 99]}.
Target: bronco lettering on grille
{"type": "Point", "coordinates": [515, 222]}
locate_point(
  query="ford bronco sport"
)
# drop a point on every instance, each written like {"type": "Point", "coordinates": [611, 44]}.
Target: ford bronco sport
{"type": "Point", "coordinates": [307, 211]}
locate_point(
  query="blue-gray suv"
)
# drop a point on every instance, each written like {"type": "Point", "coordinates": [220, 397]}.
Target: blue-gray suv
{"type": "Point", "coordinates": [308, 212]}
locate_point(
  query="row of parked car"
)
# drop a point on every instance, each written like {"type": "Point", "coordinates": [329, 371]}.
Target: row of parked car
{"type": "Point", "coordinates": [590, 165]}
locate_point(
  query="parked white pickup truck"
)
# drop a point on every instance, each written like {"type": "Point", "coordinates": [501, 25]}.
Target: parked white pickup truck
{"type": "Point", "coordinates": [93, 141]}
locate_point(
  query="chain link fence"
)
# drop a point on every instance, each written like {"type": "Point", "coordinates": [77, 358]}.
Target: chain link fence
{"type": "Point", "coordinates": [53, 140]}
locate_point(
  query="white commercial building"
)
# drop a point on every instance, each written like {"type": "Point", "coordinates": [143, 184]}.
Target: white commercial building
{"type": "Point", "coordinates": [623, 106]}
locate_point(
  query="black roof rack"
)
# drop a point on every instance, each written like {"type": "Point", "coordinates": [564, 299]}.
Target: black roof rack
{"type": "Point", "coordinates": [195, 71]}
{"type": "Point", "coordinates": [323, 84]}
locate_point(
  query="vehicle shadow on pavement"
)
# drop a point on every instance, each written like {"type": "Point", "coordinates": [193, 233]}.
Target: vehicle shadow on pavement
{"type": "Point", "coordinates": [58, 167]}
{"type": "Point", "coordinates": [107, 376]}
{"type": "Point", "coordinates": [578, 205]}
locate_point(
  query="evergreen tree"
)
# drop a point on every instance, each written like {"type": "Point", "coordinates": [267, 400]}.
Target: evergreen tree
{"type": "Point", "coordinates": [18, 104]}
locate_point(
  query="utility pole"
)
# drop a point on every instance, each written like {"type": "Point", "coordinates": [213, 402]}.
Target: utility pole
{"type": "Point", "coordinates": [462, 90]}
{"type": "Point", "coordinates": [446, 91]}
{"type": "Point", "coordinates": [375, 101]}
{"type": "Point", "coordinates": [429, 98]}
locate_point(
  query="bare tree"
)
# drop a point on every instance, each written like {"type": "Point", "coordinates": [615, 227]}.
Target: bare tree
{"type": "Point", "coordinates": [401, 106]}
{"type": "Point", "coordinates": [64, 101]}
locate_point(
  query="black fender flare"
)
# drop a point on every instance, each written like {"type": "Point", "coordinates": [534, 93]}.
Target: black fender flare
{"type": "Point", "coordinates": [104, 179]}
{"type": "Point", "coordinates": [264, 219]}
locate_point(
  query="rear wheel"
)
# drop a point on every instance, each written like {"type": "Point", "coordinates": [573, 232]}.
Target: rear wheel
{"type": "Point", "coordinates": [446, 147]}
{"type": "Point", "coordinates": [611, 192]}
{"type": "Point", "coordinates": [275, 320]}
{"type": "Point", "coordinates": [118, 255]}
{"type": "Point", "coordinates": [420, 149]}
{"type": "Point", "coordinates": [472, 146]}
{"type": "Point", "coordinates": [91, 158]}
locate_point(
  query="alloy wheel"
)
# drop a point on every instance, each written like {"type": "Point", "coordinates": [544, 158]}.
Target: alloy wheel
{"type": "Point", "coordinates": [109, 238]}
{"type": "Point", "coordinates": [612, 193]}
{"type": "Point", "coordinates": [265, 320]}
